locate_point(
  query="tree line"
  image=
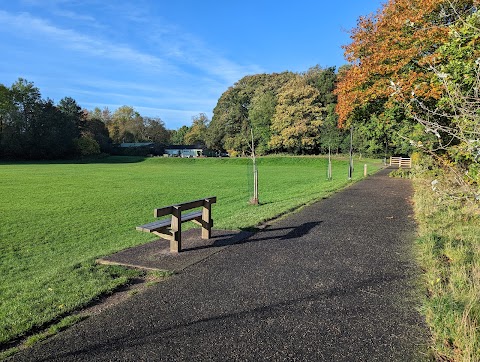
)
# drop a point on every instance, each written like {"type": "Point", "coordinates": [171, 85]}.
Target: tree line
{"type": "Point", "coordinates": [36, 128]}
{"type": "Point", "coordinates": [293, 113]}
{"type": "Point", "coordinates": [285, 112]}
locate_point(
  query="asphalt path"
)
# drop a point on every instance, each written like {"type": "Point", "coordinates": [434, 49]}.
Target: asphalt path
{"type": "Point", "coordinates": [335, 281]}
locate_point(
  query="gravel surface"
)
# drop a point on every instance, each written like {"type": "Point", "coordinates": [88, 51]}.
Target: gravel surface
{"type": "Point", "coordinates": [332, 282]}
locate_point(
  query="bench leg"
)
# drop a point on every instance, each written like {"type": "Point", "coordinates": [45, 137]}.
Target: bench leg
{"type": "Point", "coordinates": [176, 241]}
{"type": "Point", "coordinates": [207, 220]}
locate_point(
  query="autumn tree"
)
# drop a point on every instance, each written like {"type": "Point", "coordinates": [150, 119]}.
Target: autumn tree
{"type": "Point", "coordinates": [197, 133]}
{"type": "Point", "coordinates": [324, 80]}
{"type": "Point", "coordinates": [297, 119]}
{"type": "Point", "coordinates": [390, 57]}
{"type": "Point", "coordinates": [452, 125]}
{"type": "Point", "coordinates": [127, 125]}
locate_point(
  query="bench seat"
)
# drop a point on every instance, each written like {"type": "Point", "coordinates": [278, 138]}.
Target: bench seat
{"type": "Point", "coordinates": [165, 223]}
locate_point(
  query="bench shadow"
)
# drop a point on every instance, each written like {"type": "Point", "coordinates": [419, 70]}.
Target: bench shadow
{"type": "Point", "coordinates": [222, 240]}
{"type": "Point", "coordinates": [268, 233]}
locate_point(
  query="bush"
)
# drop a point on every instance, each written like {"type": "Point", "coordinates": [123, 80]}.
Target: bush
{"type": "Point", "coordinates": [233, 153]}
{"type": "Point", "coordinates": [86, 146]}
{"type": "Point", "coordinates": [402, 173]}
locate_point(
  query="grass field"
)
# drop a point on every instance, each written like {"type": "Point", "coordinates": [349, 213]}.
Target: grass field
{"type": "Point", "coordinates": [56, 218]}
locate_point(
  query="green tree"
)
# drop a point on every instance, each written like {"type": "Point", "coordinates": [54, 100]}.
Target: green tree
{"type": "Point", "coordinates": [332, 138]}
{"type": "Point", "coordinates": [7, 111]}
{"type": "Point", "coordinates": [97, 129]}
{"type": "Point", "coordinates": [178, 136]}
{"type": "Point", "coordinates": [86, 146]}
{"type": "Point", "coordinates": [50, 134]}
{"type": "Point", "coordinates": [22, 102]}
{"type": "Point", "coordinates": [70, 109]}
{"type": "Point", "coordinates": [260, 114]}
{"type": "Point", "coordinates": [324, 81]}
{"type": "Point", "coordinates": [231, 124]}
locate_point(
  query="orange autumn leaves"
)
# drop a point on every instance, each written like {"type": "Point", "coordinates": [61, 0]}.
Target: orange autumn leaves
{"type": "Point", "coordinates": [391, 53]}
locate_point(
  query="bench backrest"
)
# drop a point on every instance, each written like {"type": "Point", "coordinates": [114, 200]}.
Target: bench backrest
{"type": "Point", "coordinates": [167, 210]}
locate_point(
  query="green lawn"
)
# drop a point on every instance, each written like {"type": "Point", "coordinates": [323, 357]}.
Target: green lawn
{"type": "Point", "coordinates": [56, 218]}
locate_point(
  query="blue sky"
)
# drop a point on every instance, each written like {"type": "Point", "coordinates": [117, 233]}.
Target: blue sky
{"type": "Point", "coordinates": [168, 58]}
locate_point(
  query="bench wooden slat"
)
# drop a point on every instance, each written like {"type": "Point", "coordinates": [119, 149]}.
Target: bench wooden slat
{"type": "Point", "coordinates": [160, 224]}
{"type": "Point", "coordinates": [183, 206]}
{"type": "Point", "coordinates": [153, 226]}
{"type": "Point", "coordinates": [162, 211]}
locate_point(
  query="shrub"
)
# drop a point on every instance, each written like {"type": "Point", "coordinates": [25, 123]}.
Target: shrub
{"type": "Point", "coordinates": [86, 146]}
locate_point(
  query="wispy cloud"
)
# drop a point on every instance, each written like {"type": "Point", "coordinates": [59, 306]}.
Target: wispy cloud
{"type": "Point", "coordinates": [74, 16]}
{"type": "Point", "coordinates": [186, 48]}
{"type": "Point", "coordinates": [149, 63]}
{"type": "Point", "coordinates": [173, 47]}
{"type": "Point", "coordinates": [42, 30]}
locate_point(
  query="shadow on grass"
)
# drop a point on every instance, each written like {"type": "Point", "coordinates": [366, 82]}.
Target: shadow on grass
{"type": "Point", "coordinates": [78, 161]}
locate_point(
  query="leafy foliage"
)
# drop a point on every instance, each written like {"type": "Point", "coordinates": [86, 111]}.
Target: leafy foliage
{"type": "Point", "coordinates": [285, 112]}
{"type": "Point", "coordinates": [197, 133]}
{"type": "Point", "coordinates": [390, 57]}
{"type": "Point", "coordinates": [177, 137]}
{"type": "Point", "coordinates": [34, 128]}
{"type": "Point", "coordinates": [231, 123]}
{"type": "Point", "coordinates": [297, 119]}
{"type": "Point", "coordinates": [413, 82]}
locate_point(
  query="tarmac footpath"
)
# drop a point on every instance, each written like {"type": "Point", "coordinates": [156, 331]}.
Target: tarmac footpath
{"type": "Point", "coordinates": [335, 281]}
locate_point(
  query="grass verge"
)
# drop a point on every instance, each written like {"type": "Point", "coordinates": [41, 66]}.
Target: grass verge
{"type": "Point", "coordinates": [57, 218]}
{"type": "Point", "coordinates": [449, 252]}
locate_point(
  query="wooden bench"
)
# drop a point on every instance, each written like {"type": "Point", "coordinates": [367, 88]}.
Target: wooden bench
{"type": "Point", "coordinates": [171, 229]}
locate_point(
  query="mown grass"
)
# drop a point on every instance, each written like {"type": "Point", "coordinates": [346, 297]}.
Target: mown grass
{"type": "Point", "coordinates": [449, 252]}
{"type": "Point", "coordinates": [57, 218]}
